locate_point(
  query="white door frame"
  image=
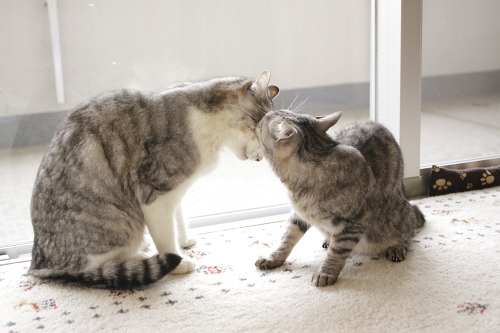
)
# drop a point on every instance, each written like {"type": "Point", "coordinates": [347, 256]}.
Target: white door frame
{"type": "Point", "coordinates": [396, 74]}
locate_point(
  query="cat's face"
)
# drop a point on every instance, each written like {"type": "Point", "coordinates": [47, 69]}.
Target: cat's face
{"type": "Point", "coordinates": [279, 133]}
{"type": "Point", "coordinates": [282, 132]}
{"type": "Point", "coordinates": [252, 103]}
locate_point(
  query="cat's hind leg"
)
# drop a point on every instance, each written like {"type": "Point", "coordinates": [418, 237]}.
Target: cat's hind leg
{"type": "Point", "coordinates": [295, 229]}
{"type": "Point", "coordinates": [326, 242]}
{"type": "Point", "coordinates": [412, 218]}
{"type": "Point", "coordinates": [397, 252]}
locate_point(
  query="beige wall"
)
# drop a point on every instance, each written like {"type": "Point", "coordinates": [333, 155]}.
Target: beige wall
{"type": "Point", "coordinates": [109, 44]}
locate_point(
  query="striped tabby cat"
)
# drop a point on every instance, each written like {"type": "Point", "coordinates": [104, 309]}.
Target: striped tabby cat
{"type": "Point", "coordinates": [349, 186]}
{"type": "Point", "coordinates": [123, 161]}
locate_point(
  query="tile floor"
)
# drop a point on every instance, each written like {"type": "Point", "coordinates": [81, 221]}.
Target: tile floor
{"type": "Point", "coordinates": [451, 130]}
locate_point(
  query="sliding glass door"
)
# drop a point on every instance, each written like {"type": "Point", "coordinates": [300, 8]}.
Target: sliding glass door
{"type": "Point", "coordinates": [461, 81]}
{"type": "Point", "coordinates": [59, 53]}
{"type": "Point", "coordinates": [419, 55]}
{"type": "Point", "coordinates": [436, 78]}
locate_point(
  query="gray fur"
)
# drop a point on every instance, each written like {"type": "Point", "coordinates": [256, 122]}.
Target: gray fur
{"type": "Point", "coordinates": [349, 186]}
{"type": "Point", "coordinates": [118, 153]}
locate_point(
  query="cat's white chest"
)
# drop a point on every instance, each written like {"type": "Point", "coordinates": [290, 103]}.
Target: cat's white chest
{"type": "Point", "coordinates": [207, 137]}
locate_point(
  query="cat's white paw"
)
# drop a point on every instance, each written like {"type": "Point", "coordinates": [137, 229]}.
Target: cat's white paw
{"type": "Point", "coordinates": [184, 267]}
{"type": "Point", "coordinates": [188, 243]}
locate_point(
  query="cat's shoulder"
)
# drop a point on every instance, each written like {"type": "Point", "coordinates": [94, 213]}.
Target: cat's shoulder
{"type": "Point", "coordinates": [367, 126]}
{"type": "Point", "coordinates": [363, 130]}
{"type": "Point", "coordinates": [345, 153]}
{"type": "Point", "coordinates": [115, 98]}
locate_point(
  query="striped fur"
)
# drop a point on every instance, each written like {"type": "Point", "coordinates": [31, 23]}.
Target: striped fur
{"type": "Point", "coordinates": [349, 186]}
{"type": "Point", "coordinates": [122, 162]}
{"type": "Point", "coordinates": [119, 274]}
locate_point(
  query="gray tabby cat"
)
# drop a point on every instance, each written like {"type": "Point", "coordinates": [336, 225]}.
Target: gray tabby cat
{"type": "Point", "coordinates": [349, 186]}
{"type": "Point", "coordinates": [123, 161]}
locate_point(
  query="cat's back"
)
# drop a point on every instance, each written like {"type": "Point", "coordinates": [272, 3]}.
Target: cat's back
{"type": "Point", "coordinates": [112, 120]}
{"type": "Point", "coordinates": [379, 148]}
{"type": "Point", "coordinates": [359, 135]}
{"type": "Point", "coordinates": [111, 109]}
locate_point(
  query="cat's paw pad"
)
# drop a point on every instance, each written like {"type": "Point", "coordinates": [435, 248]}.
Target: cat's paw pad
{"type": "Point", "coordinates": [188, 243]}
{"type": "Point", "coordinates": [396, 254]}
{"type": "Point", "coordinates": [184, 267]}
{"type": "Point", "coordinates": [267, 263]}
{"type": "Point", "coordinates": [323, 280]}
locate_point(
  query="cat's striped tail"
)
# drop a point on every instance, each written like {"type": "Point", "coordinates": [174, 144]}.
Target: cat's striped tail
{"type": "Point", "coordinates": [118, 275]}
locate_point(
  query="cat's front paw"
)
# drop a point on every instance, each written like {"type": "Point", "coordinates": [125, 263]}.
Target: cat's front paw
{"type": "Point", "coordinates": [321, 279]}
{"type": "Point", "coordinates": [184, 267]}
{"type": "Point", "coordinates": [268, 263]}
{"type": "Point", "coordinates": [190, 241]}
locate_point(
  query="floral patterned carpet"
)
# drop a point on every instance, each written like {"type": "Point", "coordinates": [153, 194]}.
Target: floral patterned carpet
{"type": "Point", "coordinates": [450, 282]}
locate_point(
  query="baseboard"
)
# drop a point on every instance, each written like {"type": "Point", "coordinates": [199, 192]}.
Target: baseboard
{"type": "Point", "coordinates": [29, 130]}
{"type": "Point", "coordinates": [456, 85]}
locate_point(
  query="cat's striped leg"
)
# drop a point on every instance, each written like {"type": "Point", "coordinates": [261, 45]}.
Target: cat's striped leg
{"type": "Point", "coordinates": [295, 229]}
{"type": "Point", "coordinates": [340, 248]}
{"type": "Point", "coordinates": [397, 253]}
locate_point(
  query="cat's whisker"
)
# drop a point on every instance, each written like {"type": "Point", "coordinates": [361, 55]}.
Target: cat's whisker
{"type": "Point", "coordinates": [254, 118]}
{"type": "Point", "coordinates": [260, 110]}
{"type": "Point", "coordinates": [300, 106]}
{"type": "Point", "coordinates": [291, 104]}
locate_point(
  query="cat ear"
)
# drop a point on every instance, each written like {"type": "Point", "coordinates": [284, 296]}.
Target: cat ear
{"type": "Point", "coordinates": [273, 91]}
{"type": "Point", "coordinates": [263, 80]}
{"type": "Point", "coordinates": [285, 131]}
{"type": "Point", "coordinates": [325, 122]}
{"type": "Point", "coordinates": [261, 86]}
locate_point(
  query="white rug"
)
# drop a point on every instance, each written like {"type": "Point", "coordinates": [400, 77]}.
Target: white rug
{"type": "Point", "coordinates": [450, 282]}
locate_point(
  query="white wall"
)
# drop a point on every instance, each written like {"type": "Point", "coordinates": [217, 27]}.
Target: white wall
{"type": "Point", "coordinates": [149, 45]}
{"type": "Point", "coordinates": [109, 44]}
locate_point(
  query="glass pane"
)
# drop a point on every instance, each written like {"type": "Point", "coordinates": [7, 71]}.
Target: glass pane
{"type": "Point", "coordinates": [461, 83]}
{"type": "Point", "coordinates": [317, 53]}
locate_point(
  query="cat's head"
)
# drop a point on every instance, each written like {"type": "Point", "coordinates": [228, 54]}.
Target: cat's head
{"type": "Point", "coordinates": [283, 133]}
{"type": "Point", "coordinates": [250, 103]}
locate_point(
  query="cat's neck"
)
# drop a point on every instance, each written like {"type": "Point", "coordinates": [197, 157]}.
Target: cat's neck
{"type": "Point", "coordinates": [305, 167]}
{"type": "Point", "coordinates": [209, 131]}
{"type": "Point", "coordinates": [291, 171]}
